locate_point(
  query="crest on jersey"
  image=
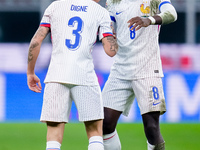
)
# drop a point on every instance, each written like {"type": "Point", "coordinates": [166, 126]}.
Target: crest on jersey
{"type": "Point", "coordinates": [149, 7]}
{"type": "Point", "coordinates": [145, 8]}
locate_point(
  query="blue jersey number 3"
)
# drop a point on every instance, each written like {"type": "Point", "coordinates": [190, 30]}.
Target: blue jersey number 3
{"type": "Point", "coordinates": [76, 33]}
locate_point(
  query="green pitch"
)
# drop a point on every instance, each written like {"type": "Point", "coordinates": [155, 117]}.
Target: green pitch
{"type": "Point", "coordinates": [28, 136]}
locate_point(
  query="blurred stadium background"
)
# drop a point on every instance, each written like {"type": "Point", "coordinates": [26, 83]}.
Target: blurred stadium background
{"type": "Point", "coordinates": [180, 53]}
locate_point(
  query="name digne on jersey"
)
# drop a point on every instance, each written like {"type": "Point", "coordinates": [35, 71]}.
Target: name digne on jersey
{"type": "Point", "coordinates": [78, 8]}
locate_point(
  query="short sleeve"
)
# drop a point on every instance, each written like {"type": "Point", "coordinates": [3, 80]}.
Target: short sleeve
{"type": "Point", "coordinates": [105, 29]}
{"type": "Point", "coordinates": [46, 17]}
{"type": "Point", "coordinates": [163, 2]}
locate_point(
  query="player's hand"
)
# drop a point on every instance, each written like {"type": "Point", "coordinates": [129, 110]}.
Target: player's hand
{"type": "Point", "coordinates": [34, 83]}
{"type": "Point", "coordinates": [138, 22]}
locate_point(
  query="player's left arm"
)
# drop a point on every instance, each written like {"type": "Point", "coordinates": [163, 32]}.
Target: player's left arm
{"type": "Point", "coordinates": [106, 35]}
{"type": "Point", "coordinates": [34, 48]}
{"type": "Point", "coordinates": [110, 45]}
{"type": "Point", "coordinates": [167, 15]}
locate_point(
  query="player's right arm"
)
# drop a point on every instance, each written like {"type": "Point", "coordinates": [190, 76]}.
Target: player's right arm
{"type": "Point", "coordinates": [32, 80]}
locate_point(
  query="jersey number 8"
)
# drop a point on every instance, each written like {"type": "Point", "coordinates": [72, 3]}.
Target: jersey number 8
{"type": "Point", "coordinates": [132, 33]}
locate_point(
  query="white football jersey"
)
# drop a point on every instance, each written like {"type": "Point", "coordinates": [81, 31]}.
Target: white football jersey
{"type": "Point", "coordinates": [139, 54]}
{"type": "Point", "coordinates": [74, 25]}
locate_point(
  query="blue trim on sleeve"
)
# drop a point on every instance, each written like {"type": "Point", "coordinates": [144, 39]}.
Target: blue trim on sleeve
{"type": "Point", "coordinates": [165, 2]}
{"type": "Point", "coordinates": [107, 34]}
{"type": "Point", "coordinates": [112, 18]}
{"type": "Point", "coordinates": [44, 23]}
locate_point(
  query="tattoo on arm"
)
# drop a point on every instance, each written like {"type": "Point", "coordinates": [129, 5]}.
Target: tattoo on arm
{"type": "Point", "coordinates": [33, 45]}
{"type": "Point", "coordinates": [40, 34]}
{"type": "Point", "coordinates": [113, 43]}
{"type": "Point", "coordinates": [30, 55]}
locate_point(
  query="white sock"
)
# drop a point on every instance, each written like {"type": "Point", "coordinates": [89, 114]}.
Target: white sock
{"type": "Point", "coordinates": [150, 147]}
{"type": "Point", "coordinates": [96, 143]}
{"type": "Point", "coordinates": [111, 141]}
{"type": "Point", "coordinates": [53, 145]}
{"type": "Point", "coordinates": [160, 146]}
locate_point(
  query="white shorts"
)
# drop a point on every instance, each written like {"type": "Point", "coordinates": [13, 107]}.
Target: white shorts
{"type": "Point", "coordinates": [118, 94]}
{"type": "Point", "coordinates": [58, 98]}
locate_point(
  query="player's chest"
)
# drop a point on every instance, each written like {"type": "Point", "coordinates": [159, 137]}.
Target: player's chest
{"type": "Point", "coordinates": [133, 8]}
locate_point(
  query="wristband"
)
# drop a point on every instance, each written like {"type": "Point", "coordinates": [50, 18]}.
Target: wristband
{"type": "Point", "coordinates": [153, 20]}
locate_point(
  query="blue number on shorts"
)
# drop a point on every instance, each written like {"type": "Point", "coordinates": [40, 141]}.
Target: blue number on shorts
{"type": "Point", "coordinates": [132, 33]}
{"type": "Point", "coordinates": [155, 93]}
{"type": "Point", "coordinates": [76, 33]}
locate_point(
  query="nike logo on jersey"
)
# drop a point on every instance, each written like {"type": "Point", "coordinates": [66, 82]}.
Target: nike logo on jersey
{"type": "Point", "coordinates": [117, 13]}
{"type": "Point", "coordinates": [154, 104]}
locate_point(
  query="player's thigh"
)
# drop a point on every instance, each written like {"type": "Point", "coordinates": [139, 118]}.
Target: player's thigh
{"type": "Point", "coordinates": [118, 95]}
{"type": "Point", "coordinates": [56, 103]}
{"type": "Point", "coordinates": [88, 101]}
{"type": "Point", "coordinates": [149, 94]}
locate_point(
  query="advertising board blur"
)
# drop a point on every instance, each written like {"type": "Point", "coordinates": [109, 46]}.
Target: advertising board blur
{"type": "Point", "coordinates": [181, 65]}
